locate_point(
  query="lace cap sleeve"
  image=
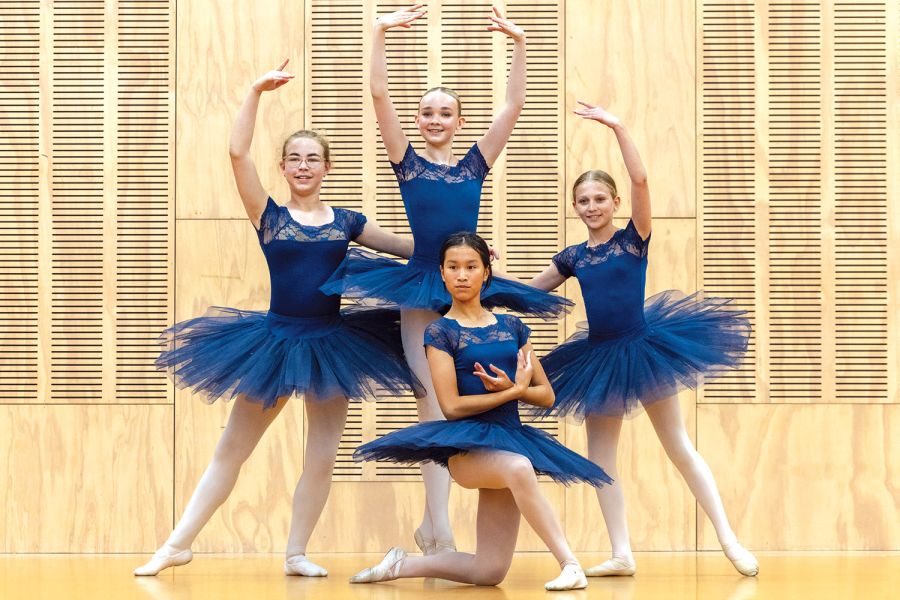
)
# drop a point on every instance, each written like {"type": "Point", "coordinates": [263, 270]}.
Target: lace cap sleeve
{"type": "Point", "coordinates": [475, 164]}
{"type": "Point", "coordinates": [408, 167]}
{"type": "Point", "coordinates": [637, 245]}
{"type": "Point", "coordinates": [438, 336]}
{"type": "Point", "coordinates": [270, 222]}
{"type": "Point", "coordinates": [519, 329]}
{"type": "Point", "coordinates": [352, 222]}
{"type": "Point", "coordinates": [565, 261]}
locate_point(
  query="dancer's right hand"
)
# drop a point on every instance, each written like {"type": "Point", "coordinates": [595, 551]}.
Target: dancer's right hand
{"type": "Point", "coordinates": [402, 18]}
{"type": "Point", "coordinates": [524, 370]}
{"type": "Point", "coordinates": [273, 79]}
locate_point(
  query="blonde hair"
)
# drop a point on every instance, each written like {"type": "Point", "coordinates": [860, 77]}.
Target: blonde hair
{"type": "Point", "coordinates": [449, 92]}
{"type": "Point", "coordinates": [313, 135]}
{"type": "Point", "coordinates": [598, 176]}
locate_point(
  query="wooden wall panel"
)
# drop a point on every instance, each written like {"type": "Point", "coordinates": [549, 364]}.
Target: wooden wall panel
{"type": "Point", "coordinates": [637, 59]}
{"type": "Point", "coordinates": [794, 179]}
{"type": "Point", "coordinates": [223, 48]}
{"type": "Point", "coordinates": [78, 478]}
{"type": "Point", "coordinates": [798, 477]}
{"type": "Point", "coordinates": [20, 199]}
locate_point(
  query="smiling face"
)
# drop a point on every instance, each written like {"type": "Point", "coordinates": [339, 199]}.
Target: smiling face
{"type": "Point", "coordinates": [464, 272]}
{"type": "Point", "coordinates": [595, 204]}
{"type": "Point", "coordinates": [438, 118]}
{"type": "Point", "coordinates": [304, 165]}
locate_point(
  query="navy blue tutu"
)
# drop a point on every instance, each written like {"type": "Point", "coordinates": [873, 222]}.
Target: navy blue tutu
{"type": "Point", "coordinates": [265, 356]}
{"type": "Point", "coordinates": [686, 340]}
{"type": "Point", "coordinates": [437, 441]}
{"type": "Point", "coordinates": [418, 284]}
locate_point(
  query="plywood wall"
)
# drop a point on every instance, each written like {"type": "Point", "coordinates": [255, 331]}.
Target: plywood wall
{"type": "Point", "coordinates": [765, 127]}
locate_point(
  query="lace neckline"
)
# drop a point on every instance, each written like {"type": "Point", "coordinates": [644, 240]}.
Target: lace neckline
{"type": "Point", "coordinates": [612, 238]}
{"type": "Point", "coordinates": [299, 224]}
{"type": "Point", "coordinates": [461, 326]}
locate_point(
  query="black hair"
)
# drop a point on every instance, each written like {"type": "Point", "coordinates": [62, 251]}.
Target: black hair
{"type": "Point", "coordinates": [476, 243]}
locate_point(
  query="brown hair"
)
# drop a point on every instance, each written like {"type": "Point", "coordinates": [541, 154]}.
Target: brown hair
{"type": "Point", "coordinates": [596, 175]}
{"type": "Point", "coordinates": [313, 135]}
{"type": "Point", "coordinates": [449, 92]}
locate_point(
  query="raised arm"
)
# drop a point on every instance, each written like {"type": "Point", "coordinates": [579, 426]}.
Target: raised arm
{"type": "Point", "coordinates": [491, 145]}
{"type": "Point", "coordinates": [640, 192]}
{"type": "Point", "coordinates": [454, 406]}
{"type": "Point", "coordinates": [395, 141]}
{"type": "Point", "coordinates": [376, 238]}
{"type": "Point", "coordinates": [245, 175]}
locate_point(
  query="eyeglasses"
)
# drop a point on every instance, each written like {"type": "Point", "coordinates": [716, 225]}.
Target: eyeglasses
{"type": "Point", "coordinates": [313, 162]}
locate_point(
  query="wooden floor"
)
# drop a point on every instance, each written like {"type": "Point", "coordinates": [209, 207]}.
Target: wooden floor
{"type": "Point", "coordinates": [661, 576]}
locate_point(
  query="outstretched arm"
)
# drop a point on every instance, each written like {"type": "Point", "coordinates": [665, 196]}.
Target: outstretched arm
{"type": "Point", "coordinates": [376, 238]}
{"type": "Point", "coordinates": [249, 186]}
{"type": "Point", "coordinates": [395, 141]}
{"type": "Point", "coordinates": [640, 192]}
{"type": "Point", "coordinates": [549, 279]}
{"type": "Point", "coordinates": [491, 145]}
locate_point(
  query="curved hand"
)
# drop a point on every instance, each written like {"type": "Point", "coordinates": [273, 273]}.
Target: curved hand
{"type": "Point", "coordinates": [597, 113]}
{"type": "Point", "coordinates": [401, 18]}
{"type": "Point", "coordinates": [524, 370]}
{"type": "Point", "coordinates": [274, 79]}
{"type": "Point", "coordinates": [505, 26]}
{"type": "Point", "coordinates": [493, 384]}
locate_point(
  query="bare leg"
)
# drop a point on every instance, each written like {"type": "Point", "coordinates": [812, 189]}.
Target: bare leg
{"type": "Point", "coordinates": [603, 442]}
{"type": "Point", "coordinates": [666, 418]}
{"type": "Point", "coordinates": [247, 423]}
{"type": "Point", "coordinates": [325, 424]}
{"type": "Point", "coordinates": [435, 527]}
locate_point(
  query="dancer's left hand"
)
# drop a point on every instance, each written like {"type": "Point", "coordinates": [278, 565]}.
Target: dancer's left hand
{"type": "Point", "coordinates": [597, 113]}
{"type": "Point", "coordinates": [505, 26]}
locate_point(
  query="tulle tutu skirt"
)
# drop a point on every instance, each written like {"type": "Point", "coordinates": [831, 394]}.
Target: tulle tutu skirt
{"type": "Point", "coordinates": [437, 441]}
{"type": "Point", "coordinates": [418, 284]}
{"type": "Point", "coordinates": [687, 339]}
{"type": "Point", "coordinates": [264, 355]}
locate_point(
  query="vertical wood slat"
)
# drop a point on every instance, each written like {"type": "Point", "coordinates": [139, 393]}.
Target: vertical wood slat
{"type": "Point", "coordinates": [19, 199]}
{"type": "Point", "coordinates": [860, 202]}
{"type": "Point", "coordinates": [727, 167]}
{"type": "Point", "coordinates": [795, 200]}
{"type": "Point", "coordinates": [77, 184]}
{"type": "Point", "coordinates": [144, 198]}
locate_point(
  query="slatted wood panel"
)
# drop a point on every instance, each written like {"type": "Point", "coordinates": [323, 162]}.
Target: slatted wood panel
{"type": "Point", "coordinates": [795, 200]}
{"type": "Point", "coordinates": [727, 172]}
{"type": "Point", "coordinates": [98, 244]}
{"type": "Point", "coordinates": [144, 202]}
{"type": "Point", "coordinates": [77, 186]}
{"type": "Point", "coordinates": [860, 200]}
{"type": "Point", "coordinates": [19, 199]}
